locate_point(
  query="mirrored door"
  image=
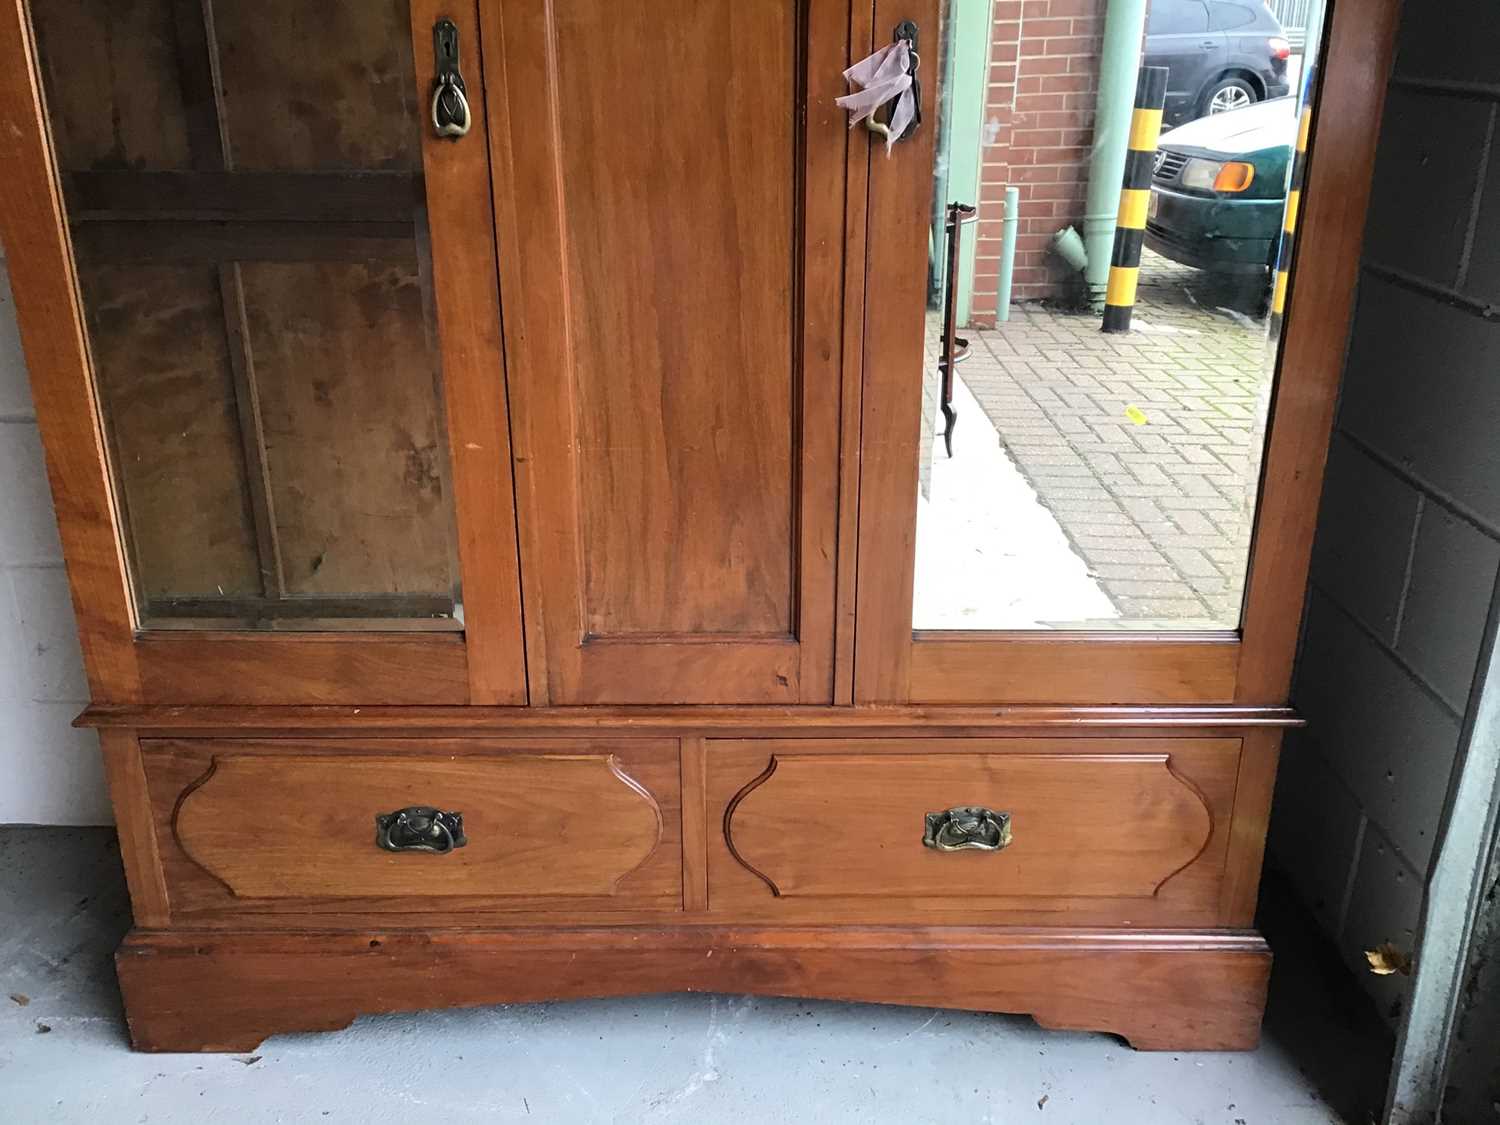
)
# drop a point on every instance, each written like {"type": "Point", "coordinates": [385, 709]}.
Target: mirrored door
{"type": "Point", "coordinates": [1102, 327]}
{"type": "Point", "coordinates": [1094, 417]}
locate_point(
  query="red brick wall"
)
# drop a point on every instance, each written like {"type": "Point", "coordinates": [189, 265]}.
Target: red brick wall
{"type": "Point", "coordinates": [1039, 121]}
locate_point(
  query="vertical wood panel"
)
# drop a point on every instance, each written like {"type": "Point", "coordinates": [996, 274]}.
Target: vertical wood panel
{"type": "Point", "coordinates": [518, 82]}
{"type": "Point", "coordinates": [166, 387]}
{"type": "Point", "coordinates": [680, 231]}
{"type": "Point", "coordinates": [202, 91]}
{"type": "Point", "coordinates": [1341, 165]}
{"type": "Point", "coordinates": [199, 81]}
{"type": "Point", "coordinates": [674, 343]}
{"type": "Point", "coordinates": [126, 774]}
{"type": "Point", "coordinates": [466, 292]}
{"type": "Point", "coordinates": [252, 431]}
{"type": "Point", "coordinates": [826, 193]}
{"type": "Point", "coordinates": [896, 307]}
{"type": "Point", "coordinates": [347, 373]}
{"type": "Point", "coordinates": [1259, 754]}
{"type": "Point", "coordinates": [695, 824]}
{"type": "Point", "coordinates": [308, 85]}
{"type": "Point", "coordinates": [861, 33]}
{"type": "Point", "coordinates": [52, 334]}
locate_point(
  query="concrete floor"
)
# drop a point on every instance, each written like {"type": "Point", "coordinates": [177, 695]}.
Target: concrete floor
{"type": "Point", "coordinates": [63, 1056]}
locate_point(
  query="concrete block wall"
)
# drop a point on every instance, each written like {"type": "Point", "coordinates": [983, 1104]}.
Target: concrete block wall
{"type": "Point", "coordinates": [1408, 547]}
{"type": "Point", "coordinates": [49, 773]}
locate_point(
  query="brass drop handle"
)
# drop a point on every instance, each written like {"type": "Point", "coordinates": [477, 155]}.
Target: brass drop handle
{"type": "Point", "coordinates": [420, 828]}
{"type": "Point", "coordinates": [906, 31]}
{"type": "Point", "coordinates": [967, 828]}
{"type": "Point", "coordinates": [450, 98]}
{"type": "Point", "coordinates": [887, 79]}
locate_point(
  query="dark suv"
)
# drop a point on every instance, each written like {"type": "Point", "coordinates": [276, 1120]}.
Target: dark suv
{"type": "Point", "coordinates": [1221, 55]}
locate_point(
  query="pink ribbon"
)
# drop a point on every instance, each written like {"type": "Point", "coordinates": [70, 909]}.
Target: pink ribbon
{"type": "Point", "coordinates": [880, 79]}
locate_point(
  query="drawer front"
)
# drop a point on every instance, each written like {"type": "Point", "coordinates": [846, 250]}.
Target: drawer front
{"type": "Point", "coordinates": [1118, 830]}
{"type": "Point", "coordinates": [270, 825]}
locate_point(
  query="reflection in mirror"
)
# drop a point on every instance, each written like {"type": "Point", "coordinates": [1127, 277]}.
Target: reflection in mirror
{"type": "Point", "coordinates": [1099, 479]}
{"type": "Point", "coordinates": [251, 243]}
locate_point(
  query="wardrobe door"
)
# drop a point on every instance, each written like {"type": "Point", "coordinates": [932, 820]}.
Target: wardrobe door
{"type": "Point", "coordinates": [1089, 507]}
{"type": "Point", "coordinates": [287, 279]}
{"type": "Point", "coordinates": [670, 184]}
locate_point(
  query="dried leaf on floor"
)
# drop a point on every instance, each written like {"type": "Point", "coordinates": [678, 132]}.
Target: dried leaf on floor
{"type": "Point", "coordinates": [1385, 959]}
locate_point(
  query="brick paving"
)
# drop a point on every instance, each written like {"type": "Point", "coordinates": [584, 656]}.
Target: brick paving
{"type": "Point", "coordinates": [1160, 510]}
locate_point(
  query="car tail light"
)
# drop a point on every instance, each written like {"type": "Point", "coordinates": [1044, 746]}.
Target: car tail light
{"type": "Point", "coordinates": [1280, 48]}
{"type": "Point", "coordinates": [1234, 176]}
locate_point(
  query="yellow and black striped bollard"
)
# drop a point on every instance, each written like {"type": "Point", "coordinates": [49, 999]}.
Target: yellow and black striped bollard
{"type": "Point", "coordinates": [1135, 198]}
{"type": "Point", "coordinates": [1293, 200]}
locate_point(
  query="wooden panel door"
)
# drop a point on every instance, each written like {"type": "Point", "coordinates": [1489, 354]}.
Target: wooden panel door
{"type": "Point", "coordinates": [670, 188]}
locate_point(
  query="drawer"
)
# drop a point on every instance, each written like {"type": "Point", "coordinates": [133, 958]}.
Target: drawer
{"type": "Point", "coordinates": [1117, 831]}
{"type": "Point", "coordinates": [245, 826]}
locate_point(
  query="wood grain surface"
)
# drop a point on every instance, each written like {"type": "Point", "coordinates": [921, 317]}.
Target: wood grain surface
{"type": "Point", "coordinates": [1160, 990]}
{"type": "Point", "coordinates": [288, 827]}
{"type": "Point", "coordinates": [677, 295]}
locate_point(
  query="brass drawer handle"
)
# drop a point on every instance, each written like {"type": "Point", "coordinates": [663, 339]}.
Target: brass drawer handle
{"type": "Point", "coordinates": [420, 829]}
{"type": "Point", "coordinates": [967, 828]}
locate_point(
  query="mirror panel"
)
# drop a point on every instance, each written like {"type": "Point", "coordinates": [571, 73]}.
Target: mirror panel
{"type": "Point", "coordinates": [1104, 480]}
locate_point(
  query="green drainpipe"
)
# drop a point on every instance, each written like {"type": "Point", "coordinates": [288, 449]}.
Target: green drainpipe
{"type": "Point", "coordinates": [1008, 252]}
{"type": "Point", "coordinates": [971, 64]}
{"type": "Point", "coordinates": [1119, 60]}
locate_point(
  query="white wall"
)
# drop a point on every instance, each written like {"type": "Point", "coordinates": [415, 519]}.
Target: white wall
{"type": "Point", "coordinates": [49, 773]}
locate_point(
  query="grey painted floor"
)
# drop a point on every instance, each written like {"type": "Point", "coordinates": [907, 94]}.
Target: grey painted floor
{"type": "Point", "coordinates": [63, 1056]}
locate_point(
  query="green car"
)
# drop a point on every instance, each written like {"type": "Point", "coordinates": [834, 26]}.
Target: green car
{"type": "Point", "coordinates": [1218, 189]}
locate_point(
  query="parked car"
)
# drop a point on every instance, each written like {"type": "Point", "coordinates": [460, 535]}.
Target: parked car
{"type": "Point", "coordinates": [1220, 55]}
{"type": "Point", "coordinates": [1218, 188]}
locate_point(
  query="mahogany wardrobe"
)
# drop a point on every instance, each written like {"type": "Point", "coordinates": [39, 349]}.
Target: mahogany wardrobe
{"type": "Point", "coordinates": [514, 554]}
